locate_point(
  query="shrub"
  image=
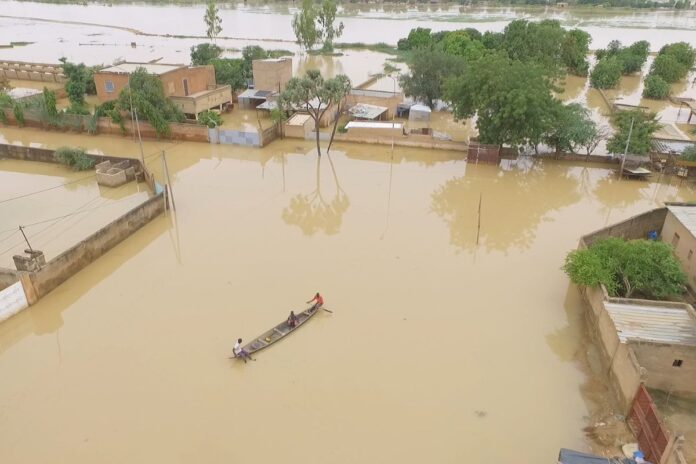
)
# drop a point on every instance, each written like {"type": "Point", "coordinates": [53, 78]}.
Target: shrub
{"type": "Point", "coordinates": [656, 87]}
{"type": "Point", "coordinates": [606, 73]}
{"type": "Point", "coordinates": [627, 268]}
{"type": "Point", "coordinates": [210, 119]}
{"type": "Point", "coordinates": [76, 158]}
{"type": "Point", "coordinates": [689, 154]}
{"type": "Point", "coordinates": [18, 113]}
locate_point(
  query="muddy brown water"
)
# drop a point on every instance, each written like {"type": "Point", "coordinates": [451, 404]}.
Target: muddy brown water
{"type": "Point", "coordinates": [437, 349]}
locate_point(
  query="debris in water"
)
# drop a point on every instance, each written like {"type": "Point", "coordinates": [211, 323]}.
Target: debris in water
{"type": "Point", "coordinates": [480, 413]}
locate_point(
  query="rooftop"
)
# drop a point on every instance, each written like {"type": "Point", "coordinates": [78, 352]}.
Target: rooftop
{"type": "Point", "coordinates": [365, 111]}
{"type": "Point", "coordinates": [686, 215]}
{"type": "Point", "coordinates": [655, 324]}
{"type": "Point", "coordinates": [20, 92]}
{"type": "Point", "coordinates": [151, 68]}
{"type": "Point", "coordinates": [373, 125]}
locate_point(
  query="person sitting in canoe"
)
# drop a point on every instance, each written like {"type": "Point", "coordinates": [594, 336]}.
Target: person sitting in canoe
{"type": "Point", "coordinates": [292, 320]}
{"type": "Point", "coordinates": [240, 352]}
{"type": "Point", "coordinates": [319, 302]}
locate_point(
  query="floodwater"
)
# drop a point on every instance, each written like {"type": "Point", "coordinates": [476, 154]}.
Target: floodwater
{"type": "Point", "coordinates": [102, 33]}
{"type": "Point", "coordinates": [57, 206]}
{"type": "Point", "coordinates": [438, 349]}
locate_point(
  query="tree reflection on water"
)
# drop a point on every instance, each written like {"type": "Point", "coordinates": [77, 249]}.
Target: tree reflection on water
{"type": "Point", "coordinates": [515, 198]}
{"type": "Point", "coordinates": [312, 212]}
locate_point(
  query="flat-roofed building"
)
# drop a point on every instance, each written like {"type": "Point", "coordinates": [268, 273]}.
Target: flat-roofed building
{"type": "Point", "coordinates": [272, 74]}
{"type": "Point", "coordinates": [192, 88]}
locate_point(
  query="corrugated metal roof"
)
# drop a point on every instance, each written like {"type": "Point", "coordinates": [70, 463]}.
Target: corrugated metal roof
{"type": "Point", "coordinates": [151, 68]}
{"type": "Point", "coordinates": [367, 111]}
{"type": "Point", "coordinates": [686, 215]}
{"type": "Point", "coordinates": [654, 324]}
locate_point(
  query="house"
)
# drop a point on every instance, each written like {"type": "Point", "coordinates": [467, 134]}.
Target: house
{"type": "Point", "coordinates": [645, 341]}
{"type": "Point", "coordinates": [191, 88]}
{"type": "Point", "coordinates": [271, 74]}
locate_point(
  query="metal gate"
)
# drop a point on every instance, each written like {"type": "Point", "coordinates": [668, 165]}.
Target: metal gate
{"type": "Point", "coordinates": [646, 425]}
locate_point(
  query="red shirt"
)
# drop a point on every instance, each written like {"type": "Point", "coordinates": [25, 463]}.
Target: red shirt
{"type": "Point", "coordinates": [319, 300]}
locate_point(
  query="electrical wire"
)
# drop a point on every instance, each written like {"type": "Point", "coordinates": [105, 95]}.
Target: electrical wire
{"type": "Point", "coordinates": [46, 189]}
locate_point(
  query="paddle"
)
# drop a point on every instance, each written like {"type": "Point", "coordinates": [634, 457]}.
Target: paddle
{"type": "Point", "coordinates": [327, 310]}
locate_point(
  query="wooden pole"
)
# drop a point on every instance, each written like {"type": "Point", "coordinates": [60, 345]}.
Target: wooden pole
{"type": "Point", "coordinates": [33, 257]}
{"type": "Point", "coordinates": [478, 229]}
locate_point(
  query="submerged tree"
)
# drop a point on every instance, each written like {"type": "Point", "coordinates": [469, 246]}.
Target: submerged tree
{"type": "Point", "coordinates": [326, 16]}
{"type": "Point", "coordinates": [644, 267]}
{"type": "Point", "coordinates": [304, 25]}
{"type": "Point", "coordinates": [314, 95]}
{"type": "Point", "coordinates": [213, 21]}
{"type": "Point", "coordinates": [79, 82]}
{"type": "Point", "coordinates": [639, 143]}
{"type": "Point", "coordinates": [572, 127]}
{"type": "Point", "coordinates": [428, 71]}
{"type": "Point", "coordinates": [204, 53]}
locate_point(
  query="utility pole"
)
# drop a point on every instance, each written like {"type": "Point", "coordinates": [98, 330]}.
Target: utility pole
{"type": "Point", "coordinates": [628, 141]}
{"type": "Point", "coordinates": [165, 171]}
{"type": "Point", "coordinates": [31, 250]}
{"type": "Point", "coordinates": [140, 140]}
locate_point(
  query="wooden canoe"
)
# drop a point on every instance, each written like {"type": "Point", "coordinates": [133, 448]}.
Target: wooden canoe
{"type": "Point", "coordinates": [278, 332]}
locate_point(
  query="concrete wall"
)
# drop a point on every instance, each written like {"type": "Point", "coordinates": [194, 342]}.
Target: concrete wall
{"type": "Point", "coordinates": [684, 247]}
{"type": "Point", "coordinates": [71, 261]}
{"type": "Point", "coordinates": [8, 277]}
{"type": "Point", "coordinates": [633, 228]}
{"type": "Point", "coordinates": [232, 137]}
{"type": "Point", "coordinates": [40, 72]}
{"type": "Point", "coordinates": [624, 371]}
{"type": "Point", "coordinates": [657, 360]}
{"type": "Point", "coordinates": [272, 74]}
{"type": "Point", "coordinates": [213, 98]}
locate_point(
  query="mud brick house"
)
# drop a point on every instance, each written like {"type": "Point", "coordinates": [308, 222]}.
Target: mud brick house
{"type": "Point", "coordinates": [192, 88]}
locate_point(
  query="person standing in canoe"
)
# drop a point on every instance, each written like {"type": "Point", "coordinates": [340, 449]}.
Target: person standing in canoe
{"type": "Point", "coordinates": [240, 352]}
{"type": "Point", "coordinates": [319, 302]}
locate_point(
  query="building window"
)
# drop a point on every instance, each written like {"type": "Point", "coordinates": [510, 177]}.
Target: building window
{"type": "Point", "coordinates": [675, 240]}
{"type": "Point", "coordinates": [186, 89]}
{"type": "Point", "coordinates": [691, 253]}
{"type": "Point", "coordinates": [677, 363]}
{"type": "Point", "coordinates": [109, 86]}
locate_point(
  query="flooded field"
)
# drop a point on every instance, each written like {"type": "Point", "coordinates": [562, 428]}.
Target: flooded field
{"type": "Point", "coordinates": [438, 349]}
{"type": "Point", "coordinates": [57, 206]}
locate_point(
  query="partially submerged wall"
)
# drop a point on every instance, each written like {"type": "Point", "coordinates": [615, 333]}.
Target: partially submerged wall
{"type": "Point", "coordinates": [625, 374]}
{"type": "Point", "coordinates": [662, 371]}
{"type": "Point", "coordinates": [632, 228]}
{"type": "Point", "coordinates": [68, 263]}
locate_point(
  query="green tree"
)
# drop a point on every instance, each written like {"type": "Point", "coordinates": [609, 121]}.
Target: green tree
{"type": "Point", "coordinates": [460, 44]}
{"type": "Point", "coordinates": [340, 88]}
{"type": "Point", "coordinates": [689, 153]}
{"type": "Point", "coordinates": [428, 70]}
{"type": "Point", "coordinates": [75, 158]}
{"type": "Point", "coordinates": [626, 268]}
{"type": "Point", "coordinates": [656, 87]}
{"type": "Point", "coordinates": [204, 53]}
{"type": "Point", "coordinates": [668, 68]}
{"type": "Point", "coordinates": [232, 72]}
{"type": "Point", "coordinates": [512, 100]}
{"type": "Point", "coordinates": [326, 16]}
{"type": "Point", "coordinates": [606, 73]}
{"type": "Point", "coordinates": [210, 118]}
{"type": "Point", "coordinates": [540, 42]}
{"type": "Point", "coordinates": [682, 52]}
{"type": "Point", "coordinates": [149, 102]}
{"type": "Point", "coordinates": [213, 21]}
{"type": "Point", "coordinates": [48, 106]}
{"type": "Point", "coordinates": [574, 48]}
{"type": "Point", "coordinates": [417, 38]}
{"type": "Point", "coordinates": [644, 126]}
{"type": "Point", "coordinates": [571, 127]}
{"type": "Point", "coordinates": [79, 82]}
{"type": "Point", "coordinates": [4, 84]}
{"type": "Point", "coordinates": [314, 95]}
{"type": "Point", "coordinates": [304, 25]}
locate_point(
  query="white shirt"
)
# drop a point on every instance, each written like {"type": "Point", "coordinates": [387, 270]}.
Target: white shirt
{"type": "Point", "coordinates": [237, 349]}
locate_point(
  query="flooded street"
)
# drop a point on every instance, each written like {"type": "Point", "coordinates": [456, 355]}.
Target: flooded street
{"type": "Point", "coordinates": [437, 349]}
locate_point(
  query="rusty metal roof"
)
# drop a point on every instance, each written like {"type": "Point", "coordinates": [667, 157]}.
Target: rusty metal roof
{"type": "Point", "coordinates": [686, 215]}
{"type": "Point", "coordinates": [655, 324]}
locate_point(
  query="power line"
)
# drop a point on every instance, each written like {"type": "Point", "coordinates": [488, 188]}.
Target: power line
{"type": "Point", "coordinates": [46, 189]}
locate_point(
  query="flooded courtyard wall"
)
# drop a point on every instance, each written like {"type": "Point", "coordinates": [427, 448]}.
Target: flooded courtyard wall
{"type": "Point", "coordinates": [633, 228]}
{"type": "Point", "coordinates": [71, 261]}
{"type": "Point", "coordinates": [7, 277]}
